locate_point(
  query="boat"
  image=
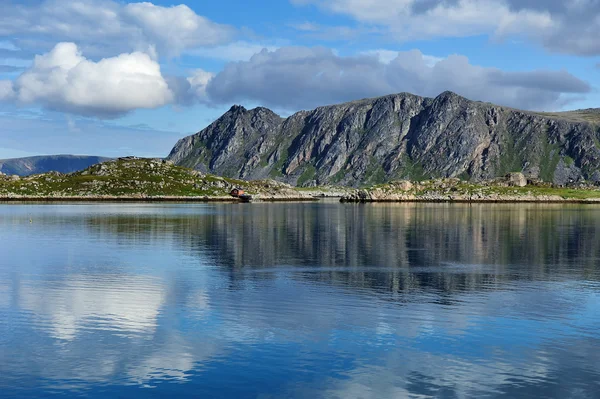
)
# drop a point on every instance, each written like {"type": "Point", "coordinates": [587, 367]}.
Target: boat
{"type": "Point", "coordinates": [245, 198]}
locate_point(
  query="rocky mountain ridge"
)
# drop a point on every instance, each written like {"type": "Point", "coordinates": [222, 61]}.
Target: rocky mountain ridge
{"type": "Point", "coordinates": [399, 136]}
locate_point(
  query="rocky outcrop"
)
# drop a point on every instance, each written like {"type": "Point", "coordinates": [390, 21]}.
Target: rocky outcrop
{"type": "Point", "coordinates": [400, 136]}
{"type": "Point", "coordinates": [134, 178]}
{"type": "Point", "coordinates": [511, 188]}
{"type": "Point", "coordinates": [516, 179]}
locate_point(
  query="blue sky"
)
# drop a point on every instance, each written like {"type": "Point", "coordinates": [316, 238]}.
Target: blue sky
{"type": "Point", "coordinates": [115, 78]}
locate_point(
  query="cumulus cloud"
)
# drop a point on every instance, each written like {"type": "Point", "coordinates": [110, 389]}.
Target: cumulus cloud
{"type": "Point", "coordinates": [386, 56]}
{"type": "Point", "coordinates": [106, 26]}
{"type": "Point", "coordinates": [65, 80]}
{"type": "Point", "coordinates": [288, 79]}
{"type": "Point", "coordinates": [190, 90]}
{"type": "Point", "coordinates": [563, 26]}
{"type": "Point", "coordinates": [302, 78]}
{"type": "Point", "coordinates": [198, 82]}
{"type": "Point", "coordinates": [236, 51]}
{"type": "Point", "coordinates": [6, 90]}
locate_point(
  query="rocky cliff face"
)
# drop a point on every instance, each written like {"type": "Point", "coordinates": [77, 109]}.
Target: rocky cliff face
{"type": "Point", "coordinates": [399, 136]}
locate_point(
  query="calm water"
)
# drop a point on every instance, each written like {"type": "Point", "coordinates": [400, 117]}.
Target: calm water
{"type": "Point", "coordinates": [300, 300]}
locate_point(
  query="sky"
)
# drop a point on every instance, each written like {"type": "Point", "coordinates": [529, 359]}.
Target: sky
{"type": "Point", "coordinates": [118, 78]}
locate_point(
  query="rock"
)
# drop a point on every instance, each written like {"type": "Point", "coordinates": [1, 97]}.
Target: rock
{"type": "Point", "coordinates": [517, 179]}
{"type": "Point", "coordinates": [403, 185]}
{"type": "Point", "coordinates": [396, 136]}
{"type": "Point", "coordinates": [15, 178]}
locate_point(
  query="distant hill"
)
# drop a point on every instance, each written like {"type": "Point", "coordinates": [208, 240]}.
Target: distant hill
{"type": "Point", "coordinates": [400, 136]}
{"type": "Point", "coordinates": [137, 179]}
{"type": "Point", "coordinates": [48, 163]}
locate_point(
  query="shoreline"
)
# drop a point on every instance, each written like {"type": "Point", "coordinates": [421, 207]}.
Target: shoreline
{"type": "Point", "coordinates": [148, 199]}
{"type": "Point", "coordinates": [184, 199]}
{"type": "Point", "coordinates": [476, 201]}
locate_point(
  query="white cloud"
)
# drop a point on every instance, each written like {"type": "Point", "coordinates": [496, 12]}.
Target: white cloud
{"type": "Point", "coordinates": [303, 78]}
{"type": "Point", "coordinates": [387, 56]}
{"type": "Point", "coordinates": [6, 90]}
{"type": "Point", "coordinates": [198, 82]}
{"type": "Point", "coordinates": [131, 304]}
{"type": "Point", "coordinates": [104, 27]}
{"type": "Point", "coordinates": [65, 80]}
{"type": "Point", "coordinates": [176, 28]}
{"type": "Point", "coordinates": [236, 51]}
{"type": "Point", "coordinates": [564, 26]}
{"type": "Point", "coordinates": [436, 18]}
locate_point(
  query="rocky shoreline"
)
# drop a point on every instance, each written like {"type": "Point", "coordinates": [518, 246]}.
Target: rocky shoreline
{"type": "Point", "coordinates": [138, 179]}
{"type": "Point", "coordinates": [475, 199]}
{"type": "Point", "coordinates": [513, 188]}
{"type": "Point", "coordinates": [146, 198]}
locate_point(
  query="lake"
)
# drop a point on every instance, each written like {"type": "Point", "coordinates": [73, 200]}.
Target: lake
{"type": "Point", "coordinates": [299, 300]}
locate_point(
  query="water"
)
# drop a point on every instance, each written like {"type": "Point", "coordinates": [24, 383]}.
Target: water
{"type": "Point", "coordinates": [299, 300]}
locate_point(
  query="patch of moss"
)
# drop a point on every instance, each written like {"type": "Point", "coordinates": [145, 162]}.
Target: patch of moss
{"type": "Point", "coordinates": [510, 159]}
{"type": "Point", "coordinates": [277, 170]}
{"type": "Point", "coordinates": [464, 176]}
{"type": "Point", "coordinates": [549, 161]}
{"type": "Point", "coordinates": [339, 176]}
{"type": "Point", "coordinates": [569, 161]}
{"type": "Point", "coordinates": [204, 158]}
{"type": "Point", "coordinates": [413, 170]}
{"type": "Point", "coordinates": [308, 175]}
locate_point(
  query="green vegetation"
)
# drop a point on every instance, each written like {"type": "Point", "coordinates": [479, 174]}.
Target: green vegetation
{"type": "Point", "coordinates": [413, 170]}
{"type": "Point", "coordinates": [569, 161]}
{"type": "Point", "coordinates": [308, 175]}
{"type": "Point", "coordinates": [204, 157]}
{"type": "Point", "coordinates": [465, 176]}
{"type": "Point", "coordinates": [510, 160]}
{"type": "Point", "coordinates": [376, 174]}
{"type": "Point", "coordinates": [277, 170]}
{"type": "Point", "coordinates": [549, 161]}
{"type": "Point", "coordinates": [583, 115]}
{"type": "Point", "coordinates": [458, 190]}
{"type": "Point", "coordinates": [129, 177]}
{"type": "Point", "coordinates": [339, 176]}
{"type": "Point", "coordinates": [147, 178]}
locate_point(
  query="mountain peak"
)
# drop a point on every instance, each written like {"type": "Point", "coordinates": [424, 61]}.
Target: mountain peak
{"type": "Point", "coordinates": [237, 109]}
{"type": "Point", "coordinates": [449, 95]}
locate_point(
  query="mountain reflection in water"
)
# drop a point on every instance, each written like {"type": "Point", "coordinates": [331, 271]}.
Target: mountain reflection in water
{"type": "Point", "coordinates": [300, 300]}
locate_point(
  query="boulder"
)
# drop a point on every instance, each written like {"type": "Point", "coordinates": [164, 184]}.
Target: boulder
{"type": "Point", "coordinates": [403, 185]}
{"type": "Point", "coordinates": [516, 179]}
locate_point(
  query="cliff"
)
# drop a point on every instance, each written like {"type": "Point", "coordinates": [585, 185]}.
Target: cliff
{"type": "Point", "coordinates": [400, 136]}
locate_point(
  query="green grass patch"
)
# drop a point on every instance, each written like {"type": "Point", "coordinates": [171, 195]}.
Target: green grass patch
{"type": "Point", "coordinates": [277, 170]}
{"type": "Point", "coordinates": [510, 160]}
{"type": "Point", "coordinates": [306, 176]}
{"type": "Point", "coordinates": [339, 176]}
{"type": "Point", "coordinates": [412, 170]}
{"type": "Point", "coordinates": [549, 161]}
{"type": "Point", "coordinates": [569, 161]}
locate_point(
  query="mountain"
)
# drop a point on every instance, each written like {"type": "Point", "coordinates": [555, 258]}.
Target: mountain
{"type": "Point", "coordinates": [400, 136]}
{"type": "Point", "coordinates": [42, 164]}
